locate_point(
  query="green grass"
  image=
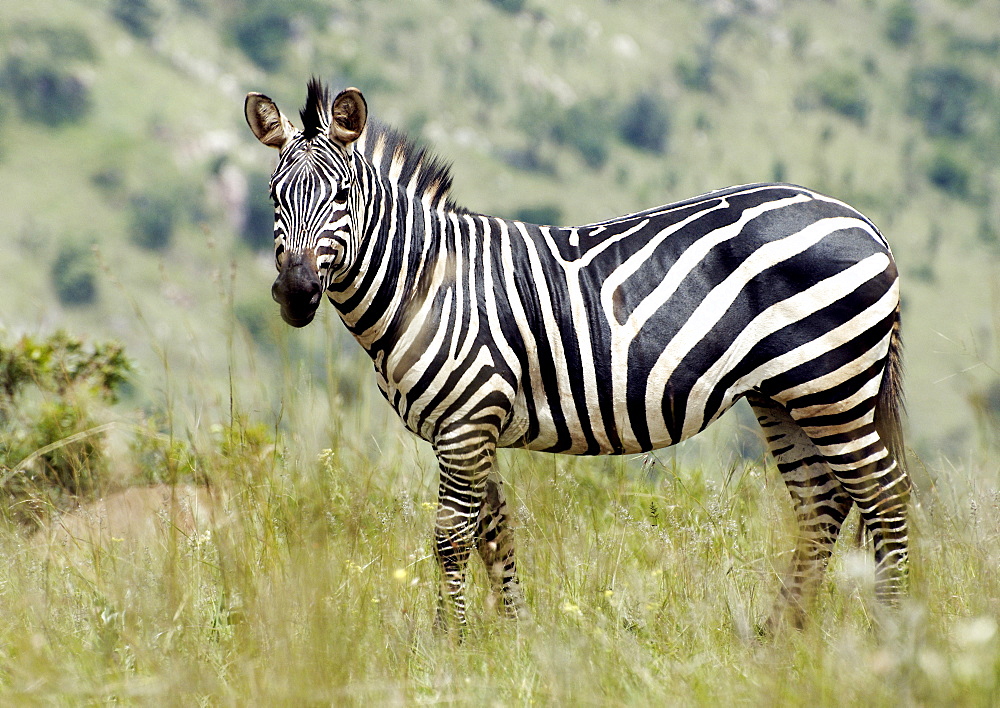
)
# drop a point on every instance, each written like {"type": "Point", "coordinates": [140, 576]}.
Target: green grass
{"type": "Point", "coordinates": [311, 581]}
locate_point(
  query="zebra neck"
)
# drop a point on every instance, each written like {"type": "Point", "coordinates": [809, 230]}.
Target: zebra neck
{"type": "Point", "coordinates": [405, 256]}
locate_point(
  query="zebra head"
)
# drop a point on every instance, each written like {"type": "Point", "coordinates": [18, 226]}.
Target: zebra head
{"type": "Point", "coordinates": [311, 188]}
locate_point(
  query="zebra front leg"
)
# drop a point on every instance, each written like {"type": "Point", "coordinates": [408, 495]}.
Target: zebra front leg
{"type": "Point", "coordinates": [495, 543]}
{"type": "Point", "coordinates": [465, 464]}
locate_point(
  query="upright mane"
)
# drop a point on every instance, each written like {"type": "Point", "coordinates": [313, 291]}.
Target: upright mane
{"type": "Point", "coordinates": [317, 112]}
{"type": "Point", "coordinates": [390, 151]}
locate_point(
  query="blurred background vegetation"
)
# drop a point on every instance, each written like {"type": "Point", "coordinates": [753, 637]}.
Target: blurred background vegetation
{"type": "Point", "coordinates": [135, 208]}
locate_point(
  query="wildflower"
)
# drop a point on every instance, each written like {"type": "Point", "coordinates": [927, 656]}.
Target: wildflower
{"type": "Point", "coordinates": [400, 575]}
{"type": "Point", "coordinates": [571, 609]}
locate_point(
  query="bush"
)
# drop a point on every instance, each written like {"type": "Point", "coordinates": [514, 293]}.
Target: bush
{"type": "Point", "coordinates": [842, 92]}
{"type": "Point", "coordinates": [901, 23]}
{"type": "Point", "coordinates": [645, 123]}
{"type": "Point", "coordinates": [258, 221]}
{"type": "Point", "coordinates": [259, 317]}
{"type": "Point", "coordinates": [51, 447]}
{"type": "Point", "coordinates": [943, 97]}
{"type": "Point", "coordinates": [74, 275]}
{"type": "Point", "coordinates": [152, 220]}
{"type": "Point", "coordinates": [263, 35]}
{"type": "Point", "coordinates": [586, 128]}
{"type": "Point", "coordinates": [511, 6]}
{"type": "Point", "coordinates": [139, 17]}
{"type": "Point", "coordinates": [949, 173]}
{"type": "Point", "coordinates": [696, 73]}
{"type": "Point", "coordinates": [44, 73]}
{"type": "Point", "coordinates": [546, 214]}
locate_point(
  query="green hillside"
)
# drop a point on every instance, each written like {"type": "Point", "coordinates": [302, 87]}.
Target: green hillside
{"type": "Point", "coordinates": [122, 128]}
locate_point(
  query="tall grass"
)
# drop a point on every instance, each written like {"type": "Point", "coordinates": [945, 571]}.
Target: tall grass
{"type": "Point", "coordinates": [311, 581]}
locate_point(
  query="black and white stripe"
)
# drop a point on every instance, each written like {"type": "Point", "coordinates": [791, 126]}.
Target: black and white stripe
{"type": "Point", "coordinates": [616, 337]}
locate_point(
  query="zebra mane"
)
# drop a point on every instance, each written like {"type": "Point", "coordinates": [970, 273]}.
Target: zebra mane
{"type": "Point", "coordinates": [395, 155]}
{"type": "Point", "coordinates": [317, 113]}
{"type": "Point", "coordinates": [390, 151]}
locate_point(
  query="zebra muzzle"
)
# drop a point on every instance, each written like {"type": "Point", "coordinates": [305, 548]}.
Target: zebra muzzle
{"type": "Point", "coordinates": [297, 289]}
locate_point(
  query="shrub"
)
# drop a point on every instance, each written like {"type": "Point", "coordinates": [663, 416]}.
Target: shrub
{"type": "Point", "coordinates": [645, 123]}
{"type": "Point", "coordinates": [50, 445]}
{"type": "Point", "coordinates": [586, 128]}
{"type": "Point", "coordinates": [696, 73]}
{"type": "Point", "coordinates": [74, 275]}
{"type": "Point", "coordinates": [949, 173]}
{"type": "Point", "coordinates": [44, 74]}
{"type": "Point", "coordinates": [901, 23]}
{"type": "Point", "coordinates": [258, 221]}
{"type": "Point", "coordinates": [511, 6]}
{"type": "Point", "coordinates": [139, 17]}
{"type": "Point", "coordinates": [152, 220]}
{"type": "Point", "coordinates": [262, 29]}
{"type": "Point", "coordinates": [841, 91]}
{"type": "Point", "coordinates": [547, 214]}
{"type": "Point", "coordinates": [263, 34]}
{"type": "Point", "coordinates": [943, 97]}
{"type": "Point", "coordinates": [259, 316]}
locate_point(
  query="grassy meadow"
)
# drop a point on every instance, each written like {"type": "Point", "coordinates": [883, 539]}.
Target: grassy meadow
{"type": "Point", "coordinates": [288, 562]}
{"type": "Point", "coordinates": [243, 521]}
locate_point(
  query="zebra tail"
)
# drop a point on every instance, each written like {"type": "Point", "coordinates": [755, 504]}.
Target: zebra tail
{"type": "Point", "coordinates": [889, 410]}
{"type": "Point", "coordinates": [889, 405]}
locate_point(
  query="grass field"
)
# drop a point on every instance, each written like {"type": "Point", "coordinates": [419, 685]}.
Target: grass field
{"type": "Point", "coordinates": [289, 577]}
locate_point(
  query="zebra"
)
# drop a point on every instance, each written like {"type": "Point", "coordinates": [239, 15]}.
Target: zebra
{"type": "Point", "coordinates": [616, 337]}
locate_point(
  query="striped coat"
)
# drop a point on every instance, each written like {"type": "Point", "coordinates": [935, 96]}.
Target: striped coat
{"type": "Point", "coordinates": [617, 337]}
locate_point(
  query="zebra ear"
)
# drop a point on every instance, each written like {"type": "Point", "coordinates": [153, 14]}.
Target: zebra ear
{"type": "Point", "coordinates": [266, 121]}
{"type": "Point", "coordinates": [350, 113]}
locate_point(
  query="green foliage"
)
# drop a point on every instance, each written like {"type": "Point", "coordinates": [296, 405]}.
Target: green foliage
{"type": "Point", "coordinates": [153, 217]}
{"type": "Point", "coordinates": [44, 74]}
{"type": "Point", "coordinates": [511, 6]}
{"type": "Point", "coordinates": [160, 458]}
{"type": "Point", "coordinates": [696, 73]}
{"type": "Point", "coordinates": [586, 127]}
{"type": "Point", "coordinates": [51, 445]}
{"type": "Point", "coordinates": [74, 275]}
{"type": "Point", "coordinates": [258, 222]}
{"type": "Point", "coordinates": [263, 35]}
{"type": "Point", "coordinates": [137, 16]}
{"type": "Point", "coordinates": [950, 173]}
{"type": "Point", "coordinates": [645, 122]}
{"type": "Point", "coordinates": [545, 214]}
{"type": "Point", "coordinates": [60, 364]}
{"type": "Point", "coordinates": [263, 30]}
{"type": "Point", "coordinates": [258, 315]}
{"type": "Point", "coordinates": [943, 97]}
{"type": "Point", "coordinates": [901, 23]}
{"type": "Point", "coordinates": [841, 91]}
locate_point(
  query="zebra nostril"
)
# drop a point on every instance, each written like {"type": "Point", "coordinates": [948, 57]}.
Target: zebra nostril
{"type": "Point", "coordinates": [315, 292]}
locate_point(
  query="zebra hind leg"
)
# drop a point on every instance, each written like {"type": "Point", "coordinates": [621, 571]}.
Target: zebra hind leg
{"type": "Point", "coordinates": [495, 543]}
{"type": "Point", "coordinates": [869, 472]}
{"type": "Point", "coordinates": [820, 505]}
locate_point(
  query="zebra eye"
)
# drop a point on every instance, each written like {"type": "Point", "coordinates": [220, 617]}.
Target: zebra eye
{"type": "Point", "coordinates": [341, 196]}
